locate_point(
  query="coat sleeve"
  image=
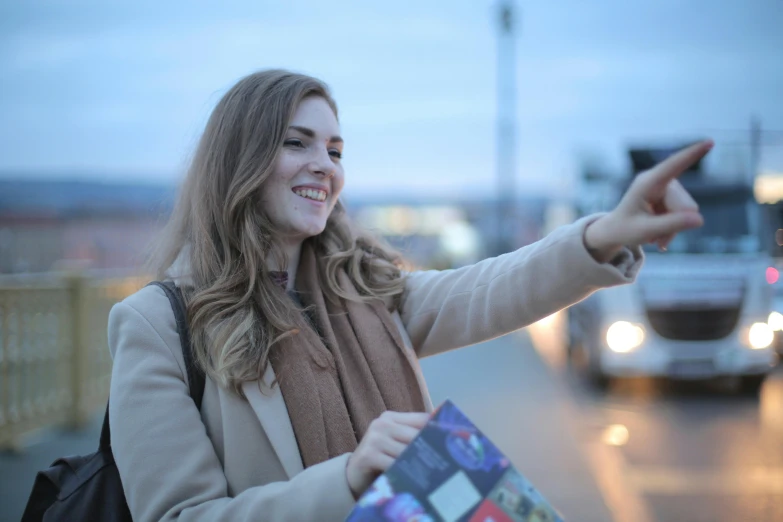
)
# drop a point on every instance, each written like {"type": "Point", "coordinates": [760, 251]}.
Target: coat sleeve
{"type": "Point", "coordinates": [443, 310]}
{"type": "Point", "coordinates": [168, 466]}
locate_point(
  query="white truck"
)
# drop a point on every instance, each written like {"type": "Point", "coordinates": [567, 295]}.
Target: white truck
{"type": "Point", "coordinates": [698, 311]}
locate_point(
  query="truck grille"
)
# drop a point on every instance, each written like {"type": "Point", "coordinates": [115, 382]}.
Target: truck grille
{"type": "Point", "coordinates": [694, 325]}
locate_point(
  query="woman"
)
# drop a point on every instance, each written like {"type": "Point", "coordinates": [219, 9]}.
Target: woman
{"type": "Point", "coordinates": [307, 329]}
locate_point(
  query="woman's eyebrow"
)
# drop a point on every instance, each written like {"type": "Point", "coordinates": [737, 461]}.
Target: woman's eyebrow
{"type": "Point", "coordinates": [310, 133]}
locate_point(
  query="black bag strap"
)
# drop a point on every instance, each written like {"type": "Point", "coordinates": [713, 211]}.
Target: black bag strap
{"type": "Point", "coordinates": [196, 377]}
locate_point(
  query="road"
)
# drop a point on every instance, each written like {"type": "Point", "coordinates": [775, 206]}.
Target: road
{"type": "Point", "coordinates": [677, 451]}
{"type": "Point", "coordinates": [639, 452]}
{"type": "Point", "coordinates": [17, 470]}
{"type": "Point", "coordinates": [502, 385]}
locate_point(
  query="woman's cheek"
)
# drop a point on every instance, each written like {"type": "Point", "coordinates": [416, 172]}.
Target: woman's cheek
{"type": "Point", "coordinates": [339, 182]}
{"type": "Point", "coordinates": [288, 165]}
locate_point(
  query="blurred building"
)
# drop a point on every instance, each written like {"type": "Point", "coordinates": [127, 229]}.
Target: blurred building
{"type": "Point", "coordinates": [47, 225]}
{"type": "Point", "coordinates": [446, 232]}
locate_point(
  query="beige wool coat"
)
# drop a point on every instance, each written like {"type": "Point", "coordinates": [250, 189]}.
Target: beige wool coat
{"type": "Point", "coordinates": [237, 460]}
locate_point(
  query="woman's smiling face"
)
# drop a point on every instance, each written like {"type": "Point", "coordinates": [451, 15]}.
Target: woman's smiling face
{"type": "Point", "coordinates": [308, 176]}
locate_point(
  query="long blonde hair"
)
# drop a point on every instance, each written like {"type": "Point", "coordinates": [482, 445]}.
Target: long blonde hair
{"type": "Point", "coordinates": [236, 311]}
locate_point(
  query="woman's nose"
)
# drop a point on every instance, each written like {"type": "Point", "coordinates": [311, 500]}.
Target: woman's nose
{"type": "Point", "coordinates": [323, 165]}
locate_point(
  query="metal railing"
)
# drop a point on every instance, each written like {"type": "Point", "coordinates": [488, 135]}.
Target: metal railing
{"type": "Point", "coordinates": [55, 365]}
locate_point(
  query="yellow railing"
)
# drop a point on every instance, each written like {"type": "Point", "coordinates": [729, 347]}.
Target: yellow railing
{"type": "Point", "coordinates": [55, 364]}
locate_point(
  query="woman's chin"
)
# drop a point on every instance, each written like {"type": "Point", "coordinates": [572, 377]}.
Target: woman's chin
{"type": "Point", "coordinates": [311, 229]}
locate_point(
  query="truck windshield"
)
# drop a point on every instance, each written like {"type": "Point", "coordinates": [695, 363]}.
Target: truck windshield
{"type": "Point", "coordinates": [727, 225]}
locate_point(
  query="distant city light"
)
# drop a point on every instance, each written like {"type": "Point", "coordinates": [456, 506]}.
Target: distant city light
{"type": "Point", "coordinates": [404, 220]}
{"type": "Point", "coordinates": [772, 275]}
{"type": "Point", "coordinates": [768, 187]}
{"type": "Point", "coordinates": [616, 435]}
{"type": "Point", "coordinates": [461, 241]}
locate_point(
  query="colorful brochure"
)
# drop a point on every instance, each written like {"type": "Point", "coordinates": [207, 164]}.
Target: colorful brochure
{"type": "Point", "coordinates": [452, 472]}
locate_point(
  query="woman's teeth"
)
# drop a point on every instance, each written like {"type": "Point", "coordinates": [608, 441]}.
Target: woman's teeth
{"type": "Point", "coordinates": [317, 195]}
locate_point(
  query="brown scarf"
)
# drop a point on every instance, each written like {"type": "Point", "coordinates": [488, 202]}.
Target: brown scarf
{"type": "Point", "coordinates": [335, 384]}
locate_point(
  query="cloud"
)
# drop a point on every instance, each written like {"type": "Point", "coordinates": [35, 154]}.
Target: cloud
{"type": "Point", "coordinates": [127, 88]}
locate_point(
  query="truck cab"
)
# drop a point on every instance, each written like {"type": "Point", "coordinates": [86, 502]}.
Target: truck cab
{"type": "Point", "coordinates": [698, 311]}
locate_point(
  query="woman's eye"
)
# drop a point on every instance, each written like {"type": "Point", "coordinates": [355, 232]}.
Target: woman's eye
{"type": "Point", "coordinates": [293, 142]}
{"type": "Point", "coordinates": [336, 154]}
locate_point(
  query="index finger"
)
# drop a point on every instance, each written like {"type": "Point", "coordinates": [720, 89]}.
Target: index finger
{"type": "Point", "coordinates": [677, 198]}
{"type": "Point", "coordinates": [679, 162]}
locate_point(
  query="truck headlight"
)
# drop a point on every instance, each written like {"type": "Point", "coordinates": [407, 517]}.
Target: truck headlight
{"type": "Point", "coordinates": [760, 336]}
{"type": "Point", "coordinates": [775, 321]}
{"type": "Point", "coordinates": [622, 336]}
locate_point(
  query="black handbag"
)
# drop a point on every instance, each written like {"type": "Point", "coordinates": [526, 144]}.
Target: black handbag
{"type": "Point", "coordinates": [89, 487]}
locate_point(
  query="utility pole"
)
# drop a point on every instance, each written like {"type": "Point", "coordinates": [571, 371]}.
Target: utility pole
{"type": "Point", "coordinates": [506, 126]}
{"type": "Point", "coordinates": [755, 145]}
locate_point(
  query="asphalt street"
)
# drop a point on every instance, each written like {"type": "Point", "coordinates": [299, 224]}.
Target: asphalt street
{"type": "Point", "coordinates": [641, 451]}
{"type": "Point", "coordinates": [676, 451]}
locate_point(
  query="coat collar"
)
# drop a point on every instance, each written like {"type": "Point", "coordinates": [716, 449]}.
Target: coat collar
{"type": "Point", "coordinates": [269, 406]}
{"type": "Point", "coordinates": [272, 412]}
